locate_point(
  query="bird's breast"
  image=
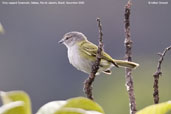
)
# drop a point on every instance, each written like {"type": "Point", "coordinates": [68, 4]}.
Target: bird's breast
{"type": "Point", "coordinates": [73, 56]}
{"type": "Point", "coordinates": [77, 60]}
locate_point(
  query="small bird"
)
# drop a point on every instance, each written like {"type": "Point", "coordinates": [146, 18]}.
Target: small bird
{"type": "Point", "coordinates": [82, 54]}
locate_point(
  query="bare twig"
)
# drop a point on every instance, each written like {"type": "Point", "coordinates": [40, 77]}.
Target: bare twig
{"type": "Point", "coordinates": [88, 82]}
{"type": "Point", "coordinates": [157, 74]}
{"type": "Point", "coordinates": [128, 55]}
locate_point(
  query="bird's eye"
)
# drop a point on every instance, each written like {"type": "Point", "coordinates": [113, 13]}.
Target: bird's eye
{"type": "Point", "coordinates": [68, 37]}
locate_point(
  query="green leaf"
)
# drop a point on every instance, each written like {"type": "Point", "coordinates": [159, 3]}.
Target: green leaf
{"type": "Point", "coordinates": [83, 103]}
{"type": "Point", "coordinates": [51, 107]}
{"type": "Point", "coordinates": [2, 31]}
{"type": "Point", "coordinates": [79, 105]}
{"type": "Point", "coordinates": [75, 111]}
{"type": "Point", "coordinates": [12, 96]}
{"type": "Point", "coordinates": [161, 108]}
{"type": "Point", "coordinates": [13, 108]}
{"type": "Point", "coordinates": [69, 111]}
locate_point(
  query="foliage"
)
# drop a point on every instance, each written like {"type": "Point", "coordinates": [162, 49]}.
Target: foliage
{"type": "Point", "coordinates": [161, 108]}
{"type": "Point", "coordinates": [2, 31]}
{"type": "Point", "coordinates": [18, 102]}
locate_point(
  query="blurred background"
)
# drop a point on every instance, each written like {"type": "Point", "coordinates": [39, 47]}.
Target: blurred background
{"type": "Point", "coordinates": [33, 61]}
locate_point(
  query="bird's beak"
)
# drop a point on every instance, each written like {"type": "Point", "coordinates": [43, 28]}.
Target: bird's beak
{"type": "Point", "coordinates": [61, 41]}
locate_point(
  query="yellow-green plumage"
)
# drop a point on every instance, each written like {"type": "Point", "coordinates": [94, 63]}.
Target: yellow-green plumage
{"type": "Point", "coordinates": [89, 51]}
{"type": "Point", "coordinates": [82, 54]}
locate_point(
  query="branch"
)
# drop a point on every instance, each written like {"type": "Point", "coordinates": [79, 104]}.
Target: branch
{"type": "Point", "coordinates": [157, 74]}
{"type": "Point", "coordinates": [88, 82]}
{"type": "Point", "coordinates": [128, 55]}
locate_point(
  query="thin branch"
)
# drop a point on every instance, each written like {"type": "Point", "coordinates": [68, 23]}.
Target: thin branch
{"type": "Point", "coordinates": [128, 55]}
{"type": "Point", "coordinates": [157, 74]}
{"type": "Point", "coordinates": [88, 82]}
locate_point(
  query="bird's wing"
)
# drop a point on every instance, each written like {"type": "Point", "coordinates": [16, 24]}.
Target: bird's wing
{"type": "Point", "coordinates": [91, 49]}
{"type": "Point", "coordinates": [88, 48]}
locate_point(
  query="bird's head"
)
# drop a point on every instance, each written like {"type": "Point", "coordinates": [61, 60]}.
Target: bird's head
{"type": "Point", "coordinates": [71, 38]}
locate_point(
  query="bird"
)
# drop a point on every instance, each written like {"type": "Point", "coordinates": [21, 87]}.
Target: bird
{"type": "Point", "coordinates": [82, 54]}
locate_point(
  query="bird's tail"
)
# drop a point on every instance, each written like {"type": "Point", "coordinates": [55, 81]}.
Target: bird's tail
{"type": "Point", "coordinates": [127, 64]}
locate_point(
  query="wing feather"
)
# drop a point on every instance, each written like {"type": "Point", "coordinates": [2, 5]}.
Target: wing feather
{"type": "Point", "coordinates": [91, 50]}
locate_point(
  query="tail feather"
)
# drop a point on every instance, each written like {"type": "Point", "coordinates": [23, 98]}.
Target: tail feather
{"type": "Point", "coordinates": [126, 64]}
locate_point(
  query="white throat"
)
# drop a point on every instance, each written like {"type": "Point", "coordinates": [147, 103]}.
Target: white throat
{"type": "Point", "coordinates": [73, 55]}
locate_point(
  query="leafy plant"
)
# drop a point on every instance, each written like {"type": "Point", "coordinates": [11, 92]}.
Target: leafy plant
{"type": "Point", "coordinates": [18, 102]}
{"type": "Point", "coordinates": [2, 31]}
{"type": "Point", "coordinates": [161, 108]}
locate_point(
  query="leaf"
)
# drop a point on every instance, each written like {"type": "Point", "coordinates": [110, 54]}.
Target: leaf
{"type": "Point", "coordinates": [75, 111]}
{"type": "Point", "coordinates": [161, 108]}
{"type": "Point", "coordinates": [51, 107]}
{"type": "Point", "coordinates": [2, 31]}
{"type": "Point", "coordinates": [12, 96]}
{"type": "Point", "coordinates": [78, 105]}
{"type": "Point", "coordinates": [13, 108]}
{"type": "Point", "coordinates": [83, 103]}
